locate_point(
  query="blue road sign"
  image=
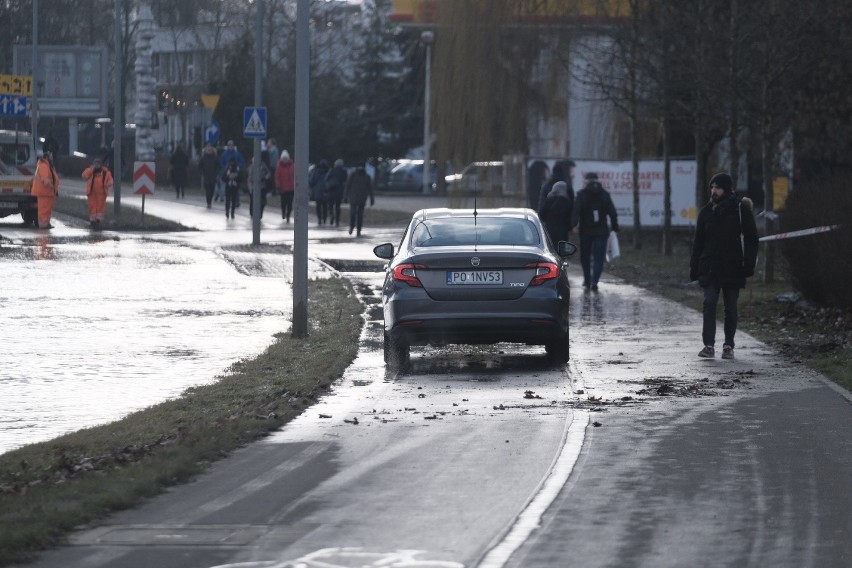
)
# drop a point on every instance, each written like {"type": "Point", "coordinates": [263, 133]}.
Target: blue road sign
{"type": "Point", "coordinates": [254, 122]}
{"type": "Point", "coordinates": [13, 105]}
{"type": "Point", "coordinates": [211, 132]}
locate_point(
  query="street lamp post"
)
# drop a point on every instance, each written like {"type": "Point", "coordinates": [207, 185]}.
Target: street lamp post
{"type": "Point", "coordinates": [428, 38]}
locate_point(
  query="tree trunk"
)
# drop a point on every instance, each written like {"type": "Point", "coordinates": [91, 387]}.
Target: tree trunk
{"type": "Point", "coordinates": [733, 130]}
{"type": "Point", "coordinates": [634, 127]}
{"type": "Point", "coordinates": [667, 194]}
{"type": "Point", "coordinates": [634, 154]}
{"type": "Point", "coordinates": [768, 215]}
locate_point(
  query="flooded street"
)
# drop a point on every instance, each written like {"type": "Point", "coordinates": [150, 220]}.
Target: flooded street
{"type": "Point", "coordinates": [103, 326]}
{"type": "Point", "coordinates": [97, 325]}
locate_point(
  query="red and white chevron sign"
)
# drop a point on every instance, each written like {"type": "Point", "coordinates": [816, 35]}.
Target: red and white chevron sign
{"type": "Point", "coordinates": [144, 178]}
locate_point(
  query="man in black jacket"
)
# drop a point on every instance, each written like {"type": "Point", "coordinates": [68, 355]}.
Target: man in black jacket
{"type": "Point", "coordinates": [591, 210]}
{"type": "Point", "coordinates": [724, 254]}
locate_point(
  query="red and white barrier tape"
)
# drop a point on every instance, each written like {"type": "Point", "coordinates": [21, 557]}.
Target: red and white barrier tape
{"type": "Point", "coordinates": [802, 233]}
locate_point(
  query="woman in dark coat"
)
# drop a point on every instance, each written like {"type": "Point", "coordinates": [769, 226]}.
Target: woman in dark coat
{"type": "Point", "coordinates": [209, 165]}
{"type": "Point", "coordinates": [724, 254]}
{"type": "Point", "coordinates": [556, 213]}
{"type": "Point", "coordinates": [316, 183]}
{"type": "Point", "coordinates": [179, 164]}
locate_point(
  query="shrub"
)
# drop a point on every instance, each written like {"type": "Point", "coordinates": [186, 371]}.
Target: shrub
{"type": "Point", "coordinates": [820, 265]}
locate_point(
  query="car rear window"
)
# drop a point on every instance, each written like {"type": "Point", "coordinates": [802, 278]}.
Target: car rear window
{"type": "Point", "coordinates": [485, 231]}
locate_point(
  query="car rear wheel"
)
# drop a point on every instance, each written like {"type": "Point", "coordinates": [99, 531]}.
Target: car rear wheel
{"type": "Point", "coordinates": [557, 349]}
{"type": "Point", "coordinates": [397, 352]}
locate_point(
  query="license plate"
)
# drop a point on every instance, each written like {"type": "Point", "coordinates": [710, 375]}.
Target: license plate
{"type": "Point", "coordinates": [8, 205]}
{"type": "Point", "coordinates": [474, 277]}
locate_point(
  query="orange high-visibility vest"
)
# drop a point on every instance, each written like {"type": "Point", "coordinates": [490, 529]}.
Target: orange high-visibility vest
{"type": "Point", "coordinates": [45, 180]}
{"type": "Point", "coordinates": [101, 181]}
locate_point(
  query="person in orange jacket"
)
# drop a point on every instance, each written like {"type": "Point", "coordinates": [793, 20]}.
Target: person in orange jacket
{"type": "Point", "coordinates": [45, 188]}
{"type": "Point", "coordinates": [98, 183]}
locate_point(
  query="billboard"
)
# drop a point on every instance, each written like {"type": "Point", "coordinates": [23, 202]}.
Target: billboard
{"type": "Point", "coordinates": [70, 80]}
{"type": "Point", "coordinates": [617, 179]}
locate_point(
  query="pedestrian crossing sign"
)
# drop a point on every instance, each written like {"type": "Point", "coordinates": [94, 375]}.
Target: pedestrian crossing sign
{"type": "Point", "coordinates": [254, 122]}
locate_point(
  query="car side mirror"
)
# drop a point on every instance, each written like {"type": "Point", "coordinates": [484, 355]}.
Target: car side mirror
{"type": "Point", "coordinates": [385, 250]}
{"type": "Point", "coordinates": [565, 249]}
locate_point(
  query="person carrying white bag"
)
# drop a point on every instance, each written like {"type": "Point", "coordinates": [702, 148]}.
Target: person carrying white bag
{"type": "Point", "coordinates": [591, 210]}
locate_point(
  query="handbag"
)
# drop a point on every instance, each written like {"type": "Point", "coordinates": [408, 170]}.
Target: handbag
{"type": "Point", "coordinates": [613, 250]}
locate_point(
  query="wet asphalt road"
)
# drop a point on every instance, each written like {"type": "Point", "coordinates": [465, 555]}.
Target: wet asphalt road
{"type": "Point", "coordinates": [637, 454]}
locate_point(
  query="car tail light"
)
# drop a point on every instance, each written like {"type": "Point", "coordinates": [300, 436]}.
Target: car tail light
{"type": "Point", "coordinates": [544, 271]}
{"type": "Point", "coordinates": [408, 273]}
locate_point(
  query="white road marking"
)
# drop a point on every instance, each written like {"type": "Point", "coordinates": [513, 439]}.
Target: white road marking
{"type": "Point", "coordinates": [529, 519]}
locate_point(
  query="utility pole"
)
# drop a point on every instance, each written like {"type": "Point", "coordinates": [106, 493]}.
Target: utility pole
{"type": "Point", "coordinates": [428, 38]}
{"type": "Point", "coordinates": [300, 220]}
{"type": "Point", "coordinates": [258, 101]}
{"type": "Point", "coordinates": [118, 118]}
{"type": "Point", "coordinates": [34, 102]}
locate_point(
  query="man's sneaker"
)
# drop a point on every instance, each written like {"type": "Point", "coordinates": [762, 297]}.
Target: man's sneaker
{"type": "Point", "coordinates": [708, 352]}
{"type": "Point", "coordinates": [727, 352]}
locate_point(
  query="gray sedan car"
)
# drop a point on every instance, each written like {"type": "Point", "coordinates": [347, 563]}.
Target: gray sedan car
{"type": "Point", "coordinates": [475, 277]}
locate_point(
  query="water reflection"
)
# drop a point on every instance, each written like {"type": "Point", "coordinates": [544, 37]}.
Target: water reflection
{"type": "Point", "coordinates": [44, 248]}
{"type": "Point", "coordinates": [111, 326]}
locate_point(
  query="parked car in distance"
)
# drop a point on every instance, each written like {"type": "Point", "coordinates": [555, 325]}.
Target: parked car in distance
{"type": "Point", "coordinates": [407, 175]}
{"type": "Point", "coordinates": [465, 276]}
{"type": "Point", "coordinates": [484, 177]}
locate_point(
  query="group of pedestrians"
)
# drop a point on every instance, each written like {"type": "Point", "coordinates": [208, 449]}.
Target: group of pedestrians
{"type": "Point", "coordinates": [724, 251]}
{"type": "Point", "coordinates": [225, 176]}
{"type": "Point", "coordinates": [332, 186]}
{"type": "Point", "coordinates": [590, 212]}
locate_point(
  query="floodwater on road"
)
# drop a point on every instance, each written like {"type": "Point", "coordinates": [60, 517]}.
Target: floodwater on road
{"type": "Point", "coordinates": [94, 328]}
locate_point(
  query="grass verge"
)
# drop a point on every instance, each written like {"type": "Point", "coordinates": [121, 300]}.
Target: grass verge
{"type": "Point", "coordinates": [130, 219]}
{"type": "Point", "coordinates": [819, 337]}
{"type": "Point", "coordinates": [48, 489]}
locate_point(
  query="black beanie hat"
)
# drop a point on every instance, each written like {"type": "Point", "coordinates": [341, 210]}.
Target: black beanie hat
{"type": "Point", "coordinates": [723, 180]}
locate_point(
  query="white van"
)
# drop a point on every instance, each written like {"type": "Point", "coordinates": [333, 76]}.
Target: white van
{"type": "Point", "coordinates": [17, 166]}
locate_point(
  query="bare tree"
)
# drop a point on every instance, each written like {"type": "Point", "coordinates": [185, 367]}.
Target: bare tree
{"type": "Point", "coordinates": [780, 58]}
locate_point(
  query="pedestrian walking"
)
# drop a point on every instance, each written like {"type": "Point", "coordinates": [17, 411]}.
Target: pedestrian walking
{"type": "Point", "coordinates": [724, 254]}
{"type": "Point", "coordinates": [179, 163]}
{"type": "Point", "coordinates": [274, 152]}
{"type": "Point", "coordinates": [285, 182]}
{"type": "Point", "coordinates": [209, 166]}
{"type": "Point", "coordinates": [359, 187]}
{"type": "Point", "coordinates": [232, 179]}
{"type": "Point", "coordinates": [45, 188]}
{"type": "Point", "coordinates": [316, 183]}
{"type": "Point", "coordinates": [556, 213]}
{"type": "Point", "coordinates": [562, 171]}
{"type": "Point", "coordinates": [335, 183]}
{"type": "Point", "coordinates": [231, 152]}
{"type": "Point", "coordinates": [98, 183]}
{"type": "Point", "coordinates": [591, 210]}
{"type": "Point", "coordinates": [264, 181]}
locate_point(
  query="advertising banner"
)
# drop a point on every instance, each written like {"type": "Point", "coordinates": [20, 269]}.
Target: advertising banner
{"type": "Point", "coordinates": [617, 179]}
